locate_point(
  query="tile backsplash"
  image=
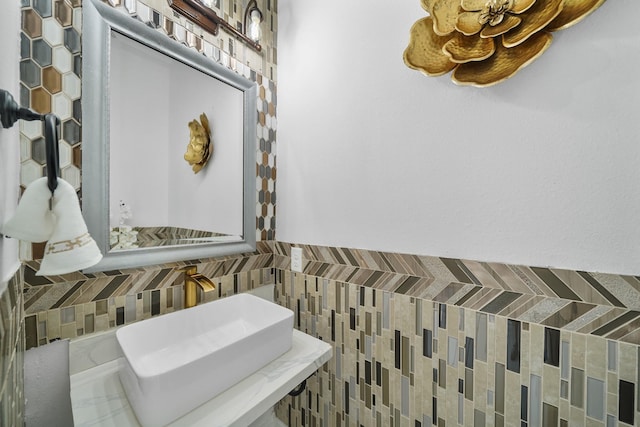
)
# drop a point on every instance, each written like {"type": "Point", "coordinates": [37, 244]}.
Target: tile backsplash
{"type": "Point", "coordinates": [606, 305]}
{"type": "Point", "coordinates": [76, 304]}
{"type": "Point", "coordinates": [12, 353]}
{"type": "Point", "coordinates": [422, 341]}
{"type": "Point", "coordinates": [417, 340]}
{"type": "Point", "coordinates": [400, 360]}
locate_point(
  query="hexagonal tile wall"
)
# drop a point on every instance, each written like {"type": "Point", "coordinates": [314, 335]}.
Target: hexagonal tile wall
{"type": "Point", "coordinates": [50, 81]}
{"type": "Point", "coordinates": [51, 73]}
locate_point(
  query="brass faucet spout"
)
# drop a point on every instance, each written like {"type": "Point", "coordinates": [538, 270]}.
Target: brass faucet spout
{"type": "Point", "coordinates": [192, 281]}
{"type": "Point", "coordinates": [204, 282]}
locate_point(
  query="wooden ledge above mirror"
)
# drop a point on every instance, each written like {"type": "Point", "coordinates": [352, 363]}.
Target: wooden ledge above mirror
{"type": "Point", "coordinates": [209, 20]}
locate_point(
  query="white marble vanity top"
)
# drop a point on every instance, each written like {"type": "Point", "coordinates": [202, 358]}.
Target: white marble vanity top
{"type": "Point", "coordinates": [98, 398]}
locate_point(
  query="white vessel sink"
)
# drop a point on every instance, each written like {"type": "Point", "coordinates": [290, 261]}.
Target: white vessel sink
{"type": "Point", "coordinates": [176, 362]}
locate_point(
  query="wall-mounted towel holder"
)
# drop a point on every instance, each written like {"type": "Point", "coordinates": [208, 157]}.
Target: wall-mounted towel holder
{"type": "Point", "coordinates": [11, 112]}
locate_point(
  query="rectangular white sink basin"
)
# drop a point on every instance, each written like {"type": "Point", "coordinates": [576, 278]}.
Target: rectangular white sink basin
{"type": "Point", "coordinates": [176, 362]}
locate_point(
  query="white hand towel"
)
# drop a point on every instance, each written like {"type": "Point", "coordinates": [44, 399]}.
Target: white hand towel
{"type": "Point", "coordinates": [70, 247]}
{"type": "Point", "coordinates": [32, 221]}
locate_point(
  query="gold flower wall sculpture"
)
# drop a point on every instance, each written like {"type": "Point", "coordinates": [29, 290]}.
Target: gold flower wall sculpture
{"type": "Point", "coordinates": [485, 42]}
{"type": "Point", "coordinates": [200, 145]}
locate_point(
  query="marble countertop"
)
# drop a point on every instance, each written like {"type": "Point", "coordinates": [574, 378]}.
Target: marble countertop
{"type": "Point", "coordinates": [98, 398]}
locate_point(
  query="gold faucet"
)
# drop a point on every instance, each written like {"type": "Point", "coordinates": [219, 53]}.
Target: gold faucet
{"type": "Point", "coordinates": [193, 280]}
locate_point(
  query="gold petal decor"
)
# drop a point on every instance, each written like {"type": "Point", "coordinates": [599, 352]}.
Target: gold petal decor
{"type": "Point", "coordinates": [200, 146]}
{"type": "Point", "coordinates": [509, 23]}
{"type": "Point", "coordinates": [425, 50]}
{"type": "Point", "coordinates": [533, 20]}
{"type": "Point", "coordinates": [445, 15]}
{"type": "Point", "coordinates": [485, 42]}
{"type": "Point", "coordinates": [520, 6]}
{"type": "Point", "coordinates": [461, 49]}
{"type": "Point", "coordinates": [468, 23]}
{"type": "Point", "coordinates": [503, 64]}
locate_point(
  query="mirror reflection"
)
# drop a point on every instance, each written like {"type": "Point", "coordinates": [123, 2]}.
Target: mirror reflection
{"type": "Point", "coordinates": [156, 105]}
{"type": "Point", "coordinates": [147, 100]}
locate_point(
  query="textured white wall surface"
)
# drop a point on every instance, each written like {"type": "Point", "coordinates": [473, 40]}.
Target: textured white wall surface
{"type": "Point", "coordinates": [9, 138]}
{"type": "Point", "coordinates": [47, 386]}
{"type": "Point", "coordinates": [539, 170]}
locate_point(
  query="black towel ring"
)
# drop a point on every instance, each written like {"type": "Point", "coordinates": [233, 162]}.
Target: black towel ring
{"type": "Point", "coordinates": [51, 123]}
{"type": "Point", "coordinates": [11, 112]}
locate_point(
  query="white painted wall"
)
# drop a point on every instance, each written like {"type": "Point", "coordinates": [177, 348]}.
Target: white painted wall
{"type": "Point", "coordinates": [139, 128]}
{"type": "Point", "coordinates": [9, 138]}
{"type": "Point", "coordinates": [211, 199]}
{"type": "Point", "coordinates": [539, 170]}
{"type": "Point", "coordinates": [153, 98]}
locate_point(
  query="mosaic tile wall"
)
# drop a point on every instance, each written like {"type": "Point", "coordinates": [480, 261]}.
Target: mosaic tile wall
{"type": "Point", "coordinates": [404, 361]}
{"type": "Point", "coordinates": [75, 304]}
{"type": "Point", "coordinates": [51, 73]}
{"type": "Point", "coordinates": [417, 340]}
{"type": "Point", "coordinates": [264, 62]}
{"type": "Point", "coordinates": [434, 341]}
{"type": "Point", "coordinates": [12, 354]}
{"type": "Point", "coordinates": [605, 305]}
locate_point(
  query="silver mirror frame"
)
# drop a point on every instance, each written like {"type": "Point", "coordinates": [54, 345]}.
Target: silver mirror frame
{"type": "Point", "coordinates": [99, 20]}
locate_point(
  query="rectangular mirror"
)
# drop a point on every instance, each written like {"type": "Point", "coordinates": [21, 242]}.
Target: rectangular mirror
{"type": "Point", "coordinates": [141, 199]}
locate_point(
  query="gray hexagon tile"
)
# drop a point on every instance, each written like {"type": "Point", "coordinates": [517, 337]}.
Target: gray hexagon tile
{"type": "Point", "coordinates": [71, 132]}
{"type": "Point", "coordinates": [77, 111]}
{"type": "Point", "coordinates": [30, 73]}
{"type": "Point", "coordinates": [41, 52]}
{"type": "Point", "coordinates": [38, 151]}
{"type": "Point", "coordinates": [43, 7]}
{"type": "Point", "coordinates": [72, 40]}
{"type": "Point", "coordinates": [25, 46]}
